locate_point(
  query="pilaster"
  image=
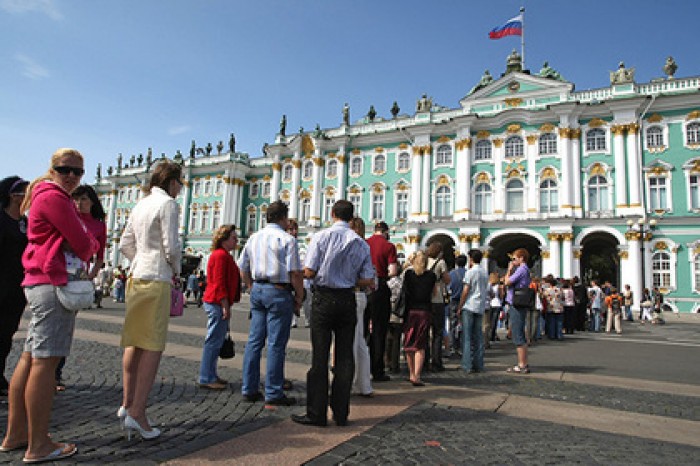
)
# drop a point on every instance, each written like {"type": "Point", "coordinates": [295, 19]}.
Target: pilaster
{"type": "Point", "coordinates": [575, 137]}
{"type": "Point", "coordinates": [416, 175]}
{"type": "Point", "coordinates": [276, 179]}
{"type": "Point", "coordinates": [296, 180]}
{"type": "Point", "coordinates": [315, 218]}
{"type": "Point", "coordinates": [634, 172]}
{"type": "Point", "coordinates": [620, 168]}
{"type": "Point", "coordinates": [531, 155]}
{"type": "Point", "coordinates": [498, 193]}
{"type": "Point", "coordinates": [555, 253]}
{"type": "Point", "coordinates": [463, 179]}
{"type": "Point", "coordinates": [631, 269]}
{"type": "Point", "coordinates": [566, 203]}
{"type": "Point", "coordinates": [567, 257]}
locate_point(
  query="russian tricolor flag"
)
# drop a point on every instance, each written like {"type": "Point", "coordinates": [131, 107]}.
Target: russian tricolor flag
{"type": "Point", "coordinates": [513, 27]}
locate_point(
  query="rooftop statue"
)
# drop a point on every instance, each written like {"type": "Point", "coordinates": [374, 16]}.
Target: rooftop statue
{"type": "Point", "coordinates": [178, 156]}
{"type": "Point", "coordinates": [219, 147]}
{"type": "Point", "coordinates": [208, 149]}
{"type": "Point", "coordinates": [372, 114]}
{"type": "Point", "coordinates": [232, 144]}
{"type": "Point", "coordinates": [514, 62]}
{"type": "Point", "coordinates": [139, 160]}
{"type": "Point", "coordinates": [424, 104]}
{"type": "Point", "coordinates": [99, 171]}
{"type": "Point", "coordinates": [283, 125]}
{"type": "Point", "coordinates": [395, 109]}
{"type": "Point", "coordinates": [132, 160]}
{"type": "Point", "coordinates": [110, 170]}
{"type": "Point", "coordinates": [486, 79]}
{"type": "Point", "coordinates": [193, 149]}
{"type": "Point", "coordinates": [346, 114]}
{"type": "Point", "coordinates": [318, 132]}
{"type": "Point", "coordinates": [119, 161]}
{"type": "Point", "coordinates": [264, 148]}
{"type": "Point", "coordinates": [149, 157]}
{"type": "Point", "coordinates": [622, 75]}
{"type": "Point", "coordinates": [670, 67]}
{"type": "Point", "coordinates": [549, 72]}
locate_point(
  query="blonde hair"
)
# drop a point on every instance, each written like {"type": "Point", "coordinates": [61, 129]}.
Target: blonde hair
{"type": "Point", "coordinates": [420, 262]}
{"type": "Point", "coordinates": [493, 278]}
{"type": "Point", "coordinates": [55, 159]}
{"type": "Point", "coordinates": [221, 234]}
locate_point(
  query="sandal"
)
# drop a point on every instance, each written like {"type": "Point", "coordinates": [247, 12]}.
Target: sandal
{"type": "Point", "coordinates": [517, 369]}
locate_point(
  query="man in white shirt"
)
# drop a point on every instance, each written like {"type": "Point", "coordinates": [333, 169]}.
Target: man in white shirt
{"type": "Point", "coordinates": [472, 306]}
{"type": "Point", "coordinates": [596, 297]}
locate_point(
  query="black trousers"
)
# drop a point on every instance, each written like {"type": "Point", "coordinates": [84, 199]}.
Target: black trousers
{"type": "Point", "coordinates": [437, 330]}
{"type": "Point", "coordinates": [334, 314]}
{"type": "Point", "coordinates": [13, 303]}
{"type": "Point", "coordinates": [379, 311]}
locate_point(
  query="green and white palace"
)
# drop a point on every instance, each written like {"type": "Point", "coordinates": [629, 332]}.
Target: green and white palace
{"type": "Point", "coordinates": [601, 183]}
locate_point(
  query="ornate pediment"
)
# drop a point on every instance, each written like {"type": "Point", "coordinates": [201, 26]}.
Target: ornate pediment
{"type": "Point", "coordinates": [517, 85]}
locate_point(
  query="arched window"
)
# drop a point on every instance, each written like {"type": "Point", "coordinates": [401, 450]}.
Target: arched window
{"type": "Point", "coordinates": [548, 144]}
{"type": "Point", "coordinates": [692, 133]}
{"type": "Point", "coordinates": [514, 146]}
{"type": "Point", "coordinates": [377, 205]}
{"type": "Point", "coordinates": [655, 137]}
{"type": "Point", "coordinates": [443, 202]}
{"type": "Point", "coordinates": [483, 150]}
{"type": "Point", "coordinates": [287, 172]}
{"type": "Point", "coordinates": [307, 169]}
{"type": "Point", "coordinates": [305, 210]}
{"type": "Point", "coordinates": [483, 199]}
{"type": "Point", "coordinates": [266, 189]}
{"type": "Point", "coordinates": [204, 220]}
{"type": "Point", "coordinates": [332, 168]}
{"type": "Point", "coordinates": [196, 188]}
{"type": "Point", "coordinates": [404, 162]}
{"type": "Point", "coordinates": [254, 189]}
{"type": "Point", "coordinates": [658, 192]}
{"type": "Point", "coordinates": [379, 163]}
{"type": "Point", "coordinates": [696, 273]}
{"type": "Point", "coordinates": [661, 269]}
{"type": "Point", "coordinates": [443, 155]}
{"type": "Point", "coordinates": [356, 201]}
{"type": "Point", "coordinates": [515, 196]}
{"type": "Point", "coordinates": [598, 194]}
{"type": "Point", "coordinates": [207, 188]}
{"type": "Point", "coordinates": [595, 139]}
{"type": "Point", "coordinates": [549, 196]}
{"type": "Point", "coordinates": [356, 166]}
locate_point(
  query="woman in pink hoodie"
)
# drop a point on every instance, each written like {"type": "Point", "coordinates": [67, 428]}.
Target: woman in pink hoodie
{"type": "Point", "coordinates": [58, 242]}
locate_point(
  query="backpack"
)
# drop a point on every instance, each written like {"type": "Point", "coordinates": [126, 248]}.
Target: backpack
{"type": "Point", "coordinates": [616, 304]}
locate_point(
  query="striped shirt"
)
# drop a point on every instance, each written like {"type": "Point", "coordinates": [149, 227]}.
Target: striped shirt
{"type": "Point", "coordinates": [339, 257]}
{"type": "Point", "coordinates": [270, 254]}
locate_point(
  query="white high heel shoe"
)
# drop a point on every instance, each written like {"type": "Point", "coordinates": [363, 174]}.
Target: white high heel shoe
{"type": "Point", "coordinates": [122, 413]}
{"type": "Point", "coordinates": [131, 425]}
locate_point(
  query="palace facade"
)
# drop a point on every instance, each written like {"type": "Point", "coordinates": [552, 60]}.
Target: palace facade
{"type": "Point", "coordinates": [603, 183]}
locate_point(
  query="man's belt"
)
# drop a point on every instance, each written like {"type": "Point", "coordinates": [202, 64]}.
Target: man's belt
{"type": "Point", "coordinates": [328, 289]}
{"type": "Point", "coordinates": [281, 286]}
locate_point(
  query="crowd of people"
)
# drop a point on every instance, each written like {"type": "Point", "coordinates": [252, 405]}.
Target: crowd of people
{"type": "Point", "coordinates": [356, 296]}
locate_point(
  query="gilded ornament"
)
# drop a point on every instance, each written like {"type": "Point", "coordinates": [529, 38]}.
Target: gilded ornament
{"type": "Point", "coordinates": [513, 174]}
{"type": "Point", "coordinates": [251, 209]}
{"type": "Point", "coordinates": [547, 128]}
{"type": "Point", "coordinates": [548, 173]}
{"type": "Point", "coordinates": [514, 102]}
{"type": "Point", "coordinates": [577, 254]}
{"type": "Point", "coordinates": [623, 255]}
{"type": "Point", "coordinates": [413, 239]}
{"type": "Point", "coordinates": [304, 194]}
{"type": "Point", "coordinates": [696, 167]}
{"type": "Point", "coordinates": [266, 178]}
{"type": "Point", "coordinates": [377, 188]}
{"type": "Point", "coordinates": [655, 118]}
{"type": "Point", "coordinates": [514, 128]}
{"type": "Point", "coordinates": [597, 169]}
{"type": "Point", "coordinates": [403, 146]}
{"type": "Point", "coordinates": [575, 133]}
{"type": "Point", "coordinates": [658, 170]}
{"type": "Point", "coordinates": [483, 177]}
{"type": "Point", "coordinates": [618, 130]}
{"type": "Point", "coordinates": [483, 134]}
{"type": "Point", "coordinates": [661, 246]}
{"type": "Point", "coordinates": [356, 151]}
{"type": "Point", "coordinates": [531, 139]}
{"type": "Point", "coordinates": [498, 142]}
{"type": "Point", "coordinates": [296, 164]}
{"type": "Point", "coordinates": [564, 133]}
{"type": "Point", "coordinates": [378, 150]}
{"type": "Point", "coordinates": [444, 139]}
{"type": "Point", "coordinates": [463, 144]}
{"type": "Point", "coordinates": [318, 162]}
{"type": "Point", "coordinates": [596, 123]}
{"type": "Point", "coordinates": [476, 238]}
{"type": "Point", "coordinates": [443, 181]}
{"type": "Point", "coordinates": [399, 247]}
{"type": "Point", "coordinates": [341, 158]}
{"type": "Point", "coordinates": [567, 237]}
{"type": "Point", "coordinates": [307, 144]}
{"type": "Point", "coordinates": [694, 115]}
{"type": "Point", "coordinates": [276, 166]}
{"type": "Point", "coordinates": [554, 236]}
{"type": "Point", "coordinates": [463, 238]}
{"type": "Point", "coordinates": [545, 254]}
{"type": "Point", "coordinates": [355, 190]}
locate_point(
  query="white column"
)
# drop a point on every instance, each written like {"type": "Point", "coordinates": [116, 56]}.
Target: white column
{"type": "Point", "coordinates": [464, 239]}
{"type": "Point", "coordinates": [476, 241]}
{"type": "Point", "coordinates": [565, 186]}
{"type": "Point", "coordinates": [226, 201]}
{"type": "Point", "coordinates": [237, 200]}
{"type": "Point", "coordinates": [631, 269]}
{"type": "Point", "coordinates": [555, 253]}
{"type": "Point", "coordinates": [575, 135]}
{"type": "Point", "coordinates": [634, 172]}
{"type": "Point", "coordinates": [342, 175]}
{"type": "Point", "coordinates": [425, 184]}
{"type": "Point", "coordinates": [567, 255]}
{"type": "Point", "coordinates": [315, 217]}
{"type": "Point", "coordinates": [576, 263]}
{"type": "Point", "coordinates": [276, 178]}
{"type": "Point", "coordinates": [296, 179]}
{"type": "Point", "coordinates": [463, 178]}
{"type": "Point", "coordinates": [620, 167]}
{"type": "Point", "coordinates": [416, 169]}
{"type": "Point", "coordinates": [531, 189]}
{"type": "Point", "coordinates": [498, 198]}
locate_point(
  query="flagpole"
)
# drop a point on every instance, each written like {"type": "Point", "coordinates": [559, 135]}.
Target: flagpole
{"type": "Point", "coordinates": [522, 37]}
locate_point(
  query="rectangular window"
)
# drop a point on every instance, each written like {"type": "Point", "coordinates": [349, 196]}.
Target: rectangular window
{"type": "Point", "coordinates": [657, 193]}
{"type": "Point", "coordinates": [694, 191]}
{"type": "Point", "coordinates": [327, 207]}
{"type": "Point", "coordinates": [378, 206]}
{"type": "Point", "coordinates": [402, 205]}
{"type": "Point", "coordinates": [356, 201]}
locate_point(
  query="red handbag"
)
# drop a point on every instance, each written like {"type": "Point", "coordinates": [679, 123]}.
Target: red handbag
{"type": "Point", "coordinates": [177, 302]}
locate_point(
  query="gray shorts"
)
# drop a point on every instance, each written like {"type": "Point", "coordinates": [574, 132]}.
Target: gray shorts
{"type": "Point", "coordinates": [50, 330]}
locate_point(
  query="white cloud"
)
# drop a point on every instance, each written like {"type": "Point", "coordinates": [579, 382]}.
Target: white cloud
{"type": "Point", "coordinates": [179, 129]}
{"type": "Point", "coordinates": [31, 68]}
{"type": "Point", "coordinates": [47, 7]}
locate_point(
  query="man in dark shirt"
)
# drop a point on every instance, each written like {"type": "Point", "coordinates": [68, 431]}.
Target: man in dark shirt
{"type": "Point", "coordinates": [379, 303]}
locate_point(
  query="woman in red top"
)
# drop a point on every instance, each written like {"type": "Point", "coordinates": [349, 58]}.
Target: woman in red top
{"type": "Point", "coordinates": [223, 289]}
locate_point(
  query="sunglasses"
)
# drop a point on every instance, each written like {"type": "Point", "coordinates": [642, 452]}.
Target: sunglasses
{"type": "Point", "coordinates": [77, 171]}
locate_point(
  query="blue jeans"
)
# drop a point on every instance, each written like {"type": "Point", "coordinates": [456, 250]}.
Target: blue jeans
{"type": "Point", "coordinates": [555, 326]}
{"type": "Point", "coordinates": [595, 319]}
{"type": "Point", "coordinates": [216, 332]}
{"type": "Point", "coordinates": [628, 313]}
{"type": "Point", "coordinates": [472, 335]}
{"type": "Point", "coordinates": [271, 312]}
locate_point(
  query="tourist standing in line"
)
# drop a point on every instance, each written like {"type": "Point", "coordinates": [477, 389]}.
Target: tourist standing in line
{"type": "Point", "coordinates": [58, 244]}
{"type": "Point", "coordinates": [13, 240]}
{"type": "Point", "coordinates": [271, 270]}
{"type": "Point", "coordinates": [453, 322]}
{"type": "Point", "coordinates": [495, 304]}
{"type": "Point", "coordinates": [379, 306]}
{"type": "Point", "coordinates": [362, 382]}
{"type": "Point", "coordinates": [151, 242]}
{"type": "Point", "coordinates": [555, 308]}
{"type": "Point", "coordinates": [645, 306]}
{"type": "Point", "coordinates": [192, 287]}
{"type": "Point", "coordinates": [419, 284]}
{"type": "Point", "coordinates": [628, 298]}
{"type": "Point", "coordinates": [472, 305]}
{"type": "Point", "coordinates": [437, 265]}
{"type": "Point", "coordinates": [569, 307]}
{"type": "Point", "coordinates": [338, 260]}
{"type": "Point", "coordinates": [392, 355]}
{"type": "Point", "coordinates": [518, 276]}
{"type": "Point", "coordinates": [224, 289]}
{"type": "Point", "coordinates": [614, 304]}
{"type": "Point", "coordinates": [596, 298]}
{"type": "Point", "coordinates": [581, 299]}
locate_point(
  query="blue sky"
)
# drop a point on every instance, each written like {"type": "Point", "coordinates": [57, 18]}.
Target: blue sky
{"type": "Point", "coordinates": [117, 76]}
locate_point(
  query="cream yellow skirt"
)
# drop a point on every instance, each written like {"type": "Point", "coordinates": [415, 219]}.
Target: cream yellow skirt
{"type": "Point", "coordinates": [147, 314]}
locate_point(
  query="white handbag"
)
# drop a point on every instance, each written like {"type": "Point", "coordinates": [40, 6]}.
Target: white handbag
{"type": "Point", "coordinates": [76, 294]}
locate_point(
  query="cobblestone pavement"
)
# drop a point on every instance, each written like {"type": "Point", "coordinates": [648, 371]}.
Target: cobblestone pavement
{"type": "Point", "coordinates": [193, 419]}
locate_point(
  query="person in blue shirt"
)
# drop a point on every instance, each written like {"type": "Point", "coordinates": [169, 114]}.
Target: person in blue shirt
{"type": "Point", "coordinates": [453, 325]}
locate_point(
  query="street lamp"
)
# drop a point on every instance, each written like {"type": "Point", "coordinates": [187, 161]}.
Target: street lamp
{"type": "Point", "coordinates": [643, 229]}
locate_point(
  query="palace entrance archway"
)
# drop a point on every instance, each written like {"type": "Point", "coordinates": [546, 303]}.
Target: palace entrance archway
{"type": "Point", "coordinates": [599, 258]}
{"type": "Point", "coordinates": [501, 247]}
{"type": "Point", "coordinates": [448, 247]}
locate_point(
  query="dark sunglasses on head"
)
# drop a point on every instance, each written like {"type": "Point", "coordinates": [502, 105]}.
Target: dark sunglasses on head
{"type": "Point", "coordinates": [77, 171]}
